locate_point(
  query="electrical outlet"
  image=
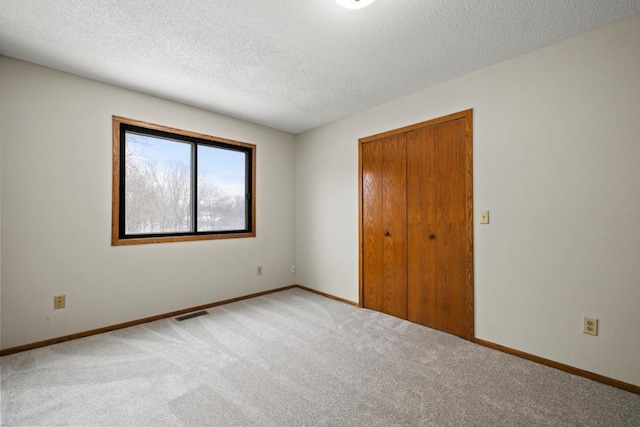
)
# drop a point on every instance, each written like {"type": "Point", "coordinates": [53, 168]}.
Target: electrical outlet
{"type": "Point", "coordinates": [484, 217]}
{"type": "Point", "coordinates": [293, 269]}
{"type": "Point", "coordinates": [259, 270]}
{"type": "Point", "coordinates": [590, 326]}
{"type": "Point", "coordinates": [59, 302]}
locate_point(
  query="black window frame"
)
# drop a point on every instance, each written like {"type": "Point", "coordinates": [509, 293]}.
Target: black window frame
{"type": "Point", "coordinates": [121, 126]}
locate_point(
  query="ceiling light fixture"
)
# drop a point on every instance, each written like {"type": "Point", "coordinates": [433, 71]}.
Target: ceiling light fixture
{"type": "Point", "coordinates": [354, 4]}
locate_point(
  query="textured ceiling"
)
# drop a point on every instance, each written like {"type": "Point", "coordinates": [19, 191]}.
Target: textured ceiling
{"type": "Point", "coordinates": [289, 64]}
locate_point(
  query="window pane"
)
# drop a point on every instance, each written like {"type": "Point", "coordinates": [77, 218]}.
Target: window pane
{"type": "Point", "coordinates": [221, 189]}
{"type": "Point", "coordinates": [157, 185]}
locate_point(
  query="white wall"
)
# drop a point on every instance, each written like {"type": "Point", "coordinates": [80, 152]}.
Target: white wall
{"type": "Point", "coordinates": [56, 211]}
{"type": "Point", "coordinates": [556, 161]}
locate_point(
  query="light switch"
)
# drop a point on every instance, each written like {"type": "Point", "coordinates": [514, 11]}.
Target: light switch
{"type": "Point", "coordinates": [484, 217]}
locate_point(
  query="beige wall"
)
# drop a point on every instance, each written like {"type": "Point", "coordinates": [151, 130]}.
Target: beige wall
{"type": "Point", "coordinates": [556, 161]}
{"type": "Point", "coordinates": [56, 211]}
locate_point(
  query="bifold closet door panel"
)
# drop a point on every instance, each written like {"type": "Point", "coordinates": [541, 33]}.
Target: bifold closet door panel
{"type": "Point", "coordinates": [384, 225]}
{"type": "Point", "coordinates": [372, 229]}
{"type": "Point", "coordinates": [451, 235]}
{"type": "Point", "coordinates": [394, 214]}
{"type": "Point", "coordinates": [421, 224]}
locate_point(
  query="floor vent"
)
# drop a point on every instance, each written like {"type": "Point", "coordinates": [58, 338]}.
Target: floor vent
{"type": "Point", "coordinates": [192, 315]}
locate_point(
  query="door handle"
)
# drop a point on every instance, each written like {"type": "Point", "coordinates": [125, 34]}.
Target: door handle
{"type": "Point", "coordinates": [387, 234]}
{"type": "Point", "coordinates": [432, 236]}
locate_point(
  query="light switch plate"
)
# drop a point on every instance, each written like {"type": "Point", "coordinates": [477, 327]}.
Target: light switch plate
{"type": "Point", "coordinates": [484, 217]}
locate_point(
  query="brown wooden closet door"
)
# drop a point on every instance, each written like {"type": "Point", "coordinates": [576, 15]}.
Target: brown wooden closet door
{"type": "Point", "coordinates": [421, 223]}
{"type": "Point", "coordinates": [384, 225]}
{"type": "Point", "coordinates": [437, 239]}
{"type": "Point", "coordinates": [451, 238]}
{"type": "Point", "coordinates": [372, 228]}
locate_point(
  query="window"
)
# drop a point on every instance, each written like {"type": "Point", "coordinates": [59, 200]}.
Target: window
{"type": "Point", "coordinates": [171, 185]}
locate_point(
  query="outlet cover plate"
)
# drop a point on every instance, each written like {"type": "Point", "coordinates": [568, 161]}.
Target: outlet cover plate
{"type": "Point", "coordinates": [59, 302]}
{"type": "Point", "coordinates": [590, 326]}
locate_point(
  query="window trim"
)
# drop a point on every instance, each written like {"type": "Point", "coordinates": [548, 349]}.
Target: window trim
{"type": "Point", "coordinates": [117, 234]}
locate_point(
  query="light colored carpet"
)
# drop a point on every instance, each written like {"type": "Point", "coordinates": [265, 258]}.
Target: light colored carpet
{"type": "Point", "coordinates": [294, 358]}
